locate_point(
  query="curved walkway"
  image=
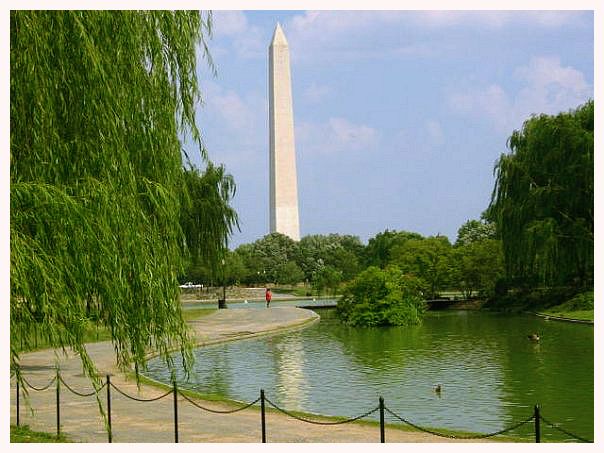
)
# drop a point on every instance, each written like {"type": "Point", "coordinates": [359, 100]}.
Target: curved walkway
{"type": "Point", "coordinates": [153, 421]}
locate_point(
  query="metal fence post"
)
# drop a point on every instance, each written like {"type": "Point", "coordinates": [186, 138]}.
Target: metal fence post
{"type": "Point", "coordinates": [537, 424]}
{"type": "Point", "coordinates": [17, 379]}
{"type": "Point", "coordinates": [262, 417]}
{"type": "Point", "coordinates": [382, 428]}
{"type": "Point", "coordinates": [58, 403]}
{"type": "Point", "coordinates": [175, 412]}
{"type": "Point", "coordinates": [109, 431]}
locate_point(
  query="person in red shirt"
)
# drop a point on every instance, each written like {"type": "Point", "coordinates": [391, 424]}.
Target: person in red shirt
{"type": "Point", "coordinates": [268, 296]}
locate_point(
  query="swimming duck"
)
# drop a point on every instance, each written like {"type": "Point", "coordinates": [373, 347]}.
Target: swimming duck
{"type": "Point", "coordinates": [437, 389]}
{"type": "Point", "coordinates": [534, 337]}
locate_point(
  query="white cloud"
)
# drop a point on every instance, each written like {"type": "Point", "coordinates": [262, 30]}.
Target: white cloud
{"type": "Point", "coordinates": [346, 34]}
{"type": "Point", "coordinates": [315, 93]}
{"type": "Point", "coordinates": [491, 102]}
{"type": "Point", "coordinates": [334, 136]}
{"type": "Point", "coordinates": [352, 34]}
{"type": "Point", "coordinates": [352, 135]}
{"type": "Point", "coordinates": [547, 71]}
{"type": "Point", "coordinates": [233, 109]}
{"type": "Point", "coordinates": [242, 38]}
{"type": "Point", "coordinates": [342, 22]}
{"type": "Point", "coordinates": [237, 121]}
{"type": "Point", "coordinates": [494, 19]}
{"type": "Point", "coordinates": [229, 23]}
{"type": "Point", "coordinates": [547, 87]}
{"type": "Point", "coordinates": [434, 133]}
{"type": "Point", "coordinates": [551, 87]}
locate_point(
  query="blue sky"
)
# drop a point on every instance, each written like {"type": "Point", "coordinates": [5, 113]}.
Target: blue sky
{"type": "Point", "coordinates": [399, 115]}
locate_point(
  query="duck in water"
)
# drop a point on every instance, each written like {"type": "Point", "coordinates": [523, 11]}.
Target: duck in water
{"type": "Point", "coordinates": [534, 337]}
{"type": "Point", "coordinates": [437, 389]}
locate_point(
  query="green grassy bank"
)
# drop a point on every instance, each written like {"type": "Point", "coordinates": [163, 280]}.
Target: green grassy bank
{"type": "Point", "coordinates": [561, 302]}
{"type": "Point", "coordinates": [93, 332]}
{"type": "Point", "coordinates": [22, 434]}
{"type": "Point", "coordinates": [579, 307]}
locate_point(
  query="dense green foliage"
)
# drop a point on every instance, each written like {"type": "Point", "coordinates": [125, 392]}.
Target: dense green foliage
{"type": "Point", "coordinates": [326, 262]}
{"type": "Point", "coordinates": [581, 306]}
{"type": "Point", "coordinates": [477, 267]}
{"type": "Point", "coordinates": [582, 301]}
{"type": "Point", "coordinates": [207, 219]}
{"type": "Point", "coordinates": [379, 297]}
{"type": "Point", "coordinates": [99, 100]}
{"type": "Point", "coordinates": [271, 254]}
{"type": "Point", "coordinates": [543, 201]}
{"type": "Point", "coordinates": [340, 252]}
{"type": "Point", "coordinates": [323, 261]}
{"type": "Point", "coordinates": [378, 250]}
{"type": "Point", "coordinates": [474, 231]}
{"type": "Point", "coordinates": [425, 258]}
{"type": "Point", "coordinates": [326, 279]}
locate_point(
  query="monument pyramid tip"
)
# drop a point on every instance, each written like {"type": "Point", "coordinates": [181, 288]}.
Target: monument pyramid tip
{"type": "Point", "coordinates": [279, 36]}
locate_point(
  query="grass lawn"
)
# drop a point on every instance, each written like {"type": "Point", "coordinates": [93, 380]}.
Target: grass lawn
{"type": "Point", "coordinates": [22, 434]}
{"type": "Point", "coordinates": [587, 315]}
{"type": "Point", "coordinates": [38, 340]}
{"type": "Point", "coordinates": [294, 291]}
{"type": "Point", "coordinates": [196, 313]}
{"type": "Point", "coordinates": [95, 333]}
{"type": "Point", "coordinates": [579, 307]}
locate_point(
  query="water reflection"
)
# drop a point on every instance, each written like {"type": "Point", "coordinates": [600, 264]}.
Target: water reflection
{"type": "Point", "coordinates": [405, 363]}
{"type": "Point", "coordinates": [289, 362]}
{"type": "Point", "coordinates": [216, 377]}
{"type": "Point", "coordinates": [491, 375]}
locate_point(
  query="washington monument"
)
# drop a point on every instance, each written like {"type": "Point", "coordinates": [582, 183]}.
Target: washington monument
{"type": "Point", "coordinates": [283, 184]}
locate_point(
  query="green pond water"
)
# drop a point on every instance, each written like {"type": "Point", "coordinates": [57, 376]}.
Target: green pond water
{"type": "Point", "coordinates": [490, 374]}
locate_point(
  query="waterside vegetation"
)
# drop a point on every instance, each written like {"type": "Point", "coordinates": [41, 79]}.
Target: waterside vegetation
{"type": "Point", "coordinates": [106, 208]}
{"type": "Point", "coordinates": [379, 297]}
{"type": "Point", "coordinates": [531, 250]}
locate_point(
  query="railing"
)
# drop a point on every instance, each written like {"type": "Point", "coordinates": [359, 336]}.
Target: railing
{"type": "Point", "coordinates": [381, 407]}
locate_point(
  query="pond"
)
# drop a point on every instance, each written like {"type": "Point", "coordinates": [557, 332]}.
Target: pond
{"type": "Point", "coordinates": [490, 374]}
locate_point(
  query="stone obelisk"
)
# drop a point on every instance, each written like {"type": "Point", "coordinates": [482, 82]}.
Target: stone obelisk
{"type": "Point", "coordinates": [283, 184]}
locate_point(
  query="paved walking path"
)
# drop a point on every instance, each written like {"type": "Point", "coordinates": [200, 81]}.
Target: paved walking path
{"type": "Point", "coordinates": [134, 421]}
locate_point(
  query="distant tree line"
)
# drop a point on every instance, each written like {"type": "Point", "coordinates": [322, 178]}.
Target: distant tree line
{"type": "Point", "coordinates": [325, 262]}
{"type": "Point", "coordinates": [537, 232]}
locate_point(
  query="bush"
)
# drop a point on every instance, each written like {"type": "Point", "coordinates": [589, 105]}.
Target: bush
{"type": "Point", "coordinates": [381, 298]}
{"type": "Point", "coordinates": [537, 299]}
{"type": "Point", "coordinates": [582, 301]}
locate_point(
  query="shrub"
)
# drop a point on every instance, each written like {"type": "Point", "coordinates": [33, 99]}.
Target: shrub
{"type": "Point", "coordinates": [582, 301]}
{"type": "Point", "coordinates": [383, 297]}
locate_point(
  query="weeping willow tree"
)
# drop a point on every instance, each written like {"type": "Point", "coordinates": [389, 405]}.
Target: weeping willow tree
{"type": "Point", "coordinates": [207, 198]}
{"type": "Point", "coordinates": [543, 200]}
{"type": "Point", "coordinates": [99, 100]}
